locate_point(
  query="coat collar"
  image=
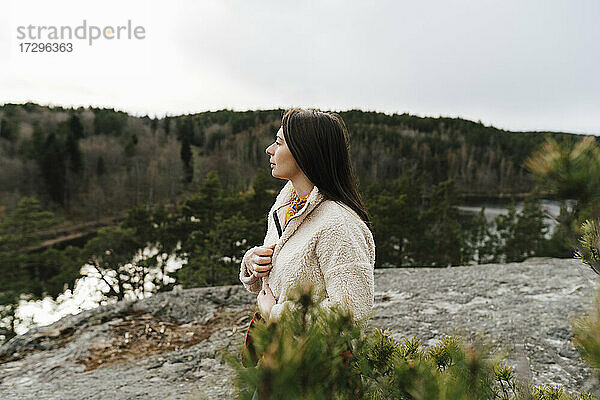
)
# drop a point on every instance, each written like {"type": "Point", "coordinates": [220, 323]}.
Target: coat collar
{"type": "Point", "coordinates": [284, 198]}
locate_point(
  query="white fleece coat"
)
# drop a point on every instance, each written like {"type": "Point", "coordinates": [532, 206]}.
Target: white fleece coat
{"type": "Point", "coordinates": [325, 244]}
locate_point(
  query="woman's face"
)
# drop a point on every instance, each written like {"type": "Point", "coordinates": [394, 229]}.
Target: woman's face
{"type": "Point", "coordinates": [283, 164]}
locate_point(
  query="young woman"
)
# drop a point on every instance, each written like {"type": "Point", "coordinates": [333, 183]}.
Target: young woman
{"type": "Point", "coordinates": [318, 229]}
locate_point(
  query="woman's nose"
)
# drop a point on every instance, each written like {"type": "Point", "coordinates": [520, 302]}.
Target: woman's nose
{"type": "Point", "coordinates": [267, 150]}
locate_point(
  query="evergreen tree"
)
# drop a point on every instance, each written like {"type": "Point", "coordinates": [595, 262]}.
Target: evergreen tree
{"type": "Point", "coordinates": [186, 133]}
{"type": "Point", "coordinates": [112, 255]}
{"type": "Point", "coordinates": [586, 336]}
{"type": "Point", "coordinates": [160, 230]}
{"type": "Point", "coordinates": [52, 271]}
{"type": "Point", "coordinates": [109, 122]}
{"type": "Point", "coordinates": [216, 237]}
{"type": "Point", "coordinates": [130, 146]}
{"type": "Point", "coordinates": [140, 220]}
{"type": "Point", "coordinates": [588, 248]}
{"type": "Point", "coordinates": [389, 212]}
{"type": "Point", "coordinates": [76, 127]}
{"type": "Point", "coordinates": [562, 241]}
{"type": "Point", "coordinates": [443, 241]}
{"type": "Point", "coordinates": [185, 129]}
{"type": "Point", "coordinates": [481, 241]}
{"type": "Point", "coordinates": [521, 235]}
{"type": "Point", "coordinates": [38, 142]}
{"type": "Point", "coordinates": [531, 227]}
{"type": "Point", "coordinates": [20, 229]}
{"type": "Point", "coordinates": [262, 198]}
{"type": "Point", "coordinates": [395, 209]}
{"type": "Point", "coordinates": [153, 125]}
{"type": "Point", "coordinates": [32, 148]}
{"type": "Point", "coordinates": [206, 203]}
{"type": "Point", "coordinates": [74, 153]}
{"type": "Point", "coordinates": [52, 165]}
{"type": "Point", "coordinates": [7, 130]}
{"type": "Point", "coordinates": [186, 157]}
{"type": "Point", "coordinates": [19, 273]}
{"type": "Point", "coordinates": [167, 125]}
{"type": "Point", "coordinates": [100, 168]}
{"type": "Point", "coordinates": [216, 254]}
{"type": "Point", "coordinates": [570, 170]}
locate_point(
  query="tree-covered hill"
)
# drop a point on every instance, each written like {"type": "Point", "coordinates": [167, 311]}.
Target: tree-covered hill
{"type": "Point", "coordinates": [88, 163]}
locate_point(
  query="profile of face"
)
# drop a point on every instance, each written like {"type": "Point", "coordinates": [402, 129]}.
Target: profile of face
{"type": "Point", "coordinates": [283, 164]}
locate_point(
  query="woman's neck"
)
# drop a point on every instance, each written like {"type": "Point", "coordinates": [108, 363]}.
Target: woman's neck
{"type": "Point", "coordinates": [302, 186]}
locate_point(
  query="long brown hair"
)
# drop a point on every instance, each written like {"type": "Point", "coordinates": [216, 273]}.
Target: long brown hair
{"type": "Point", "coordinates": [320, 144]}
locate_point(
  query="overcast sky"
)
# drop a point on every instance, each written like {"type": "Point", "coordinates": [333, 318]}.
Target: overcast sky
{"type": "Point", "coordinates": [514, 64]}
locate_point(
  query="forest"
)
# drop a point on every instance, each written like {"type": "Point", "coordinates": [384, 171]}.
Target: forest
{"type": "Point", "coordinates": [88, 163]}
{"type": "Point", "coordinates": [198, 186]}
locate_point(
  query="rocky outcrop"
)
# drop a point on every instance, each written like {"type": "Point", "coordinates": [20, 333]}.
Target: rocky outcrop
{"type": "Point", "coordinates": [167, 346]}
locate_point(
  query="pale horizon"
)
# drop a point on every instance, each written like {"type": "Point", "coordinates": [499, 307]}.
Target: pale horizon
{"type": "Point", "coordinates": [514, 65]}
{"type": "Point", "coordinates": [137, 115]}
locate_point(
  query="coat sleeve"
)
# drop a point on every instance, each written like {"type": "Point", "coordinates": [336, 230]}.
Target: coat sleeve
{"type": "Point", "coordinates": [346, 256]}
{"type": "Point", "coordinates": [251, 283]}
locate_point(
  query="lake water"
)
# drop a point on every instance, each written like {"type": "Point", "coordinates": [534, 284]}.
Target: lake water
{"type": "Point", "coordinates": [85, 295]}
{"type": "Point", "coordinates": [550, 207]}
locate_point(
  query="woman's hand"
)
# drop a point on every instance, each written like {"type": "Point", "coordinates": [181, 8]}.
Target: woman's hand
{"type": "Point", "coordinates": [259, 262]}
{"type": "Point", "coordinates": [266, 301]}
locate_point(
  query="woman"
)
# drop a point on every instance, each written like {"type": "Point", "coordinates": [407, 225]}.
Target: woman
{"type": "Point", "coordinates": [318, 229]}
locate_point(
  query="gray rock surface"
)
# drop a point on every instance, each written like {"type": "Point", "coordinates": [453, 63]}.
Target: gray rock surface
{"type": "Point", "coordinates": [166, 346]}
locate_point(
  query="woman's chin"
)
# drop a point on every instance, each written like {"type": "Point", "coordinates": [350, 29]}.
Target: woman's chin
{"type": "Point", "coordinates": [276, 175]}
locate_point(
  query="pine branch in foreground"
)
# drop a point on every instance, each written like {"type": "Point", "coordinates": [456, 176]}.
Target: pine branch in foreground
{"type": "Point", "coordinates": [314, 353]}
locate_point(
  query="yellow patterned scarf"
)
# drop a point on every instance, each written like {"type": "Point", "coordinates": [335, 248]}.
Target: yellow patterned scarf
{"type": "Point", "coordinates": [295, 206]}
